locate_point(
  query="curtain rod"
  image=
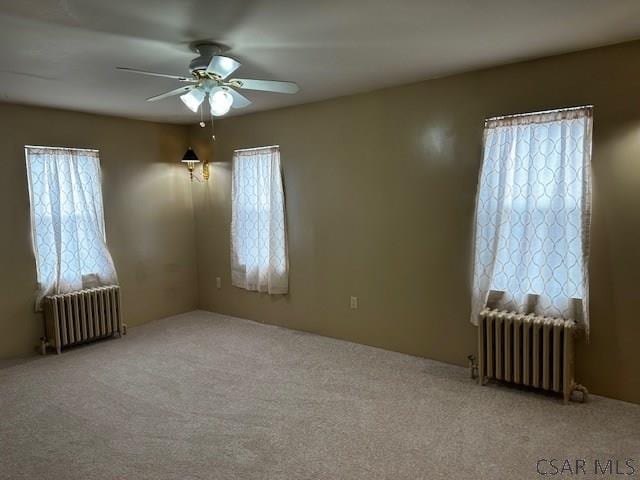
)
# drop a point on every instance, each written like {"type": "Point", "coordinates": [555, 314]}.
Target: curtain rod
{"type": "Point", "coordinates": [63, 148]}
{"type": "Point", "coordinates": [553, 110]}
{"type": "Point", "coordinates": [256, 148]}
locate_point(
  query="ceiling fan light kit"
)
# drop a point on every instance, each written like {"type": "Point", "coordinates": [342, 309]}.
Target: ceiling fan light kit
{"type": "Point", "coordinates": [220, 99]}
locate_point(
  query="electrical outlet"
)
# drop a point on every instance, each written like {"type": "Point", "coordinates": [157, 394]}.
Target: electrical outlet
{"type": "Point", "coordinates": [354, 303]}
{"type": "Point", "coordinates": [218, 282]}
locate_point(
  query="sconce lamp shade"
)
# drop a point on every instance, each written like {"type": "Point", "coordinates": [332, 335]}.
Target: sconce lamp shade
{"type": "Point", "coordinates": [190, 156]}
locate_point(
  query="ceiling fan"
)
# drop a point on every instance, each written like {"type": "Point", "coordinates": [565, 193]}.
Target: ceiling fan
{"type": "Point", "coordinates": [209, 73]}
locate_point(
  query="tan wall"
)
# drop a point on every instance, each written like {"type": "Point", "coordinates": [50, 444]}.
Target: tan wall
{"type": "Point", "coordinates": [148, 212]}
{"type": "Point", "coordinates": [380, 195]}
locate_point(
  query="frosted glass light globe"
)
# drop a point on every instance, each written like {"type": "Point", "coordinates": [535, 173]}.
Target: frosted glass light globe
{"type": "Point", "coordinates": [221, 102]}
{"type": "Point", "coordinates": [193, 99]}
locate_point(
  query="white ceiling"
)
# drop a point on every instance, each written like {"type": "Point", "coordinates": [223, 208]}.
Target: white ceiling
{"type": "Point", "coordinates": [63, 53]}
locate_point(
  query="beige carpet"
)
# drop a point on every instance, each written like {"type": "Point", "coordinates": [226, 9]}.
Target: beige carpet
{"type": "Point", "coordinates": [203, 396]}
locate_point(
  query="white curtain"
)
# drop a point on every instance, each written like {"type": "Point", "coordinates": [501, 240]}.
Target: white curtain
{"type": "Point", "coordinates": [67, 220]}
{"type": "Point", "coordinates": [259, 258]}
{"type": "Point", "coordinates": [533, 212]}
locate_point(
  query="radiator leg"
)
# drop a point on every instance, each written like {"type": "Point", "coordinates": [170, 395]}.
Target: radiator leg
{"type": "Point", "coordinates": [576, 387]}
{"type": "Point", "coordinates": [124, 328]}
{"type": "Point", "coordinates": [473, 367]}
{"type": "Point", "coordinates": [43, 345]}
{"type": "Point", "coordinates": [482, 373]}
{"type": "Point", "coordinates": [58, 349]}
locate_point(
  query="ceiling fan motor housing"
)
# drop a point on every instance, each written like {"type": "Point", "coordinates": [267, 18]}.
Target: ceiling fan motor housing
{"type": "Point", "coordinates": [199, 63]}
{"type": "Point", "coordinates": [206, 50]}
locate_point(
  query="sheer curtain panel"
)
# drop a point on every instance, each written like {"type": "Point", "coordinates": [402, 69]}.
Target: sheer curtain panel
{"type": "Point", "coordinates": [67, 220]}
{"type": "Point", "coordinates": [533, 213]}
{"type": "Point", "coordinates": [259, 258]}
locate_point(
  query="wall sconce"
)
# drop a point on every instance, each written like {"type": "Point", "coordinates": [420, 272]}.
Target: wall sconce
{"type": "Point", "coordinates": [190, 158]}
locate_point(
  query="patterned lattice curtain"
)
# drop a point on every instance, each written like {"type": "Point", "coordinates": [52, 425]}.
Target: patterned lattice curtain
{"type": "Point", "coordinates": [259, 258]}
{"type": "Point", "coordinates": [533, 212]}
{"type": "Point", "coordinates": [67, 220]}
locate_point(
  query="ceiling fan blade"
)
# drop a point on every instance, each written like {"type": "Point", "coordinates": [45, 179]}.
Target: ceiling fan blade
{"type": "Point", "coordinates": [239, 100]}
{"type": "Point", "coordinates": [222, 66]}
{"type": "Point", "coordinates": [266, 85]}
{"type": "Point", "coordinates": [155, 74]}
{"type": "Point", "coordinates": [177, 91]}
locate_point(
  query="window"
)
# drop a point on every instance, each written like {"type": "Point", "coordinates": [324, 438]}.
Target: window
{"type": "Point", "coordinates": [259, 259]}
{"type": "Point", "coordinates": [533, 213]}
{"type": "Point", "coordinates": [67, 221]}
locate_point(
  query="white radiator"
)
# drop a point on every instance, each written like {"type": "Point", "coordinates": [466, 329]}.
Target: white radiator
{"type": "Point", "coordinates": [82, 316]}
{"type": "Point", "coordinates": [528, 350]}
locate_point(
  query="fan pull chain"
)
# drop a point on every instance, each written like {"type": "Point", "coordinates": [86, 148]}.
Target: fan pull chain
{"type": "Point", "coordinates": [201, 116]}
{"type": "Point", "coordinates": [213, 133]}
